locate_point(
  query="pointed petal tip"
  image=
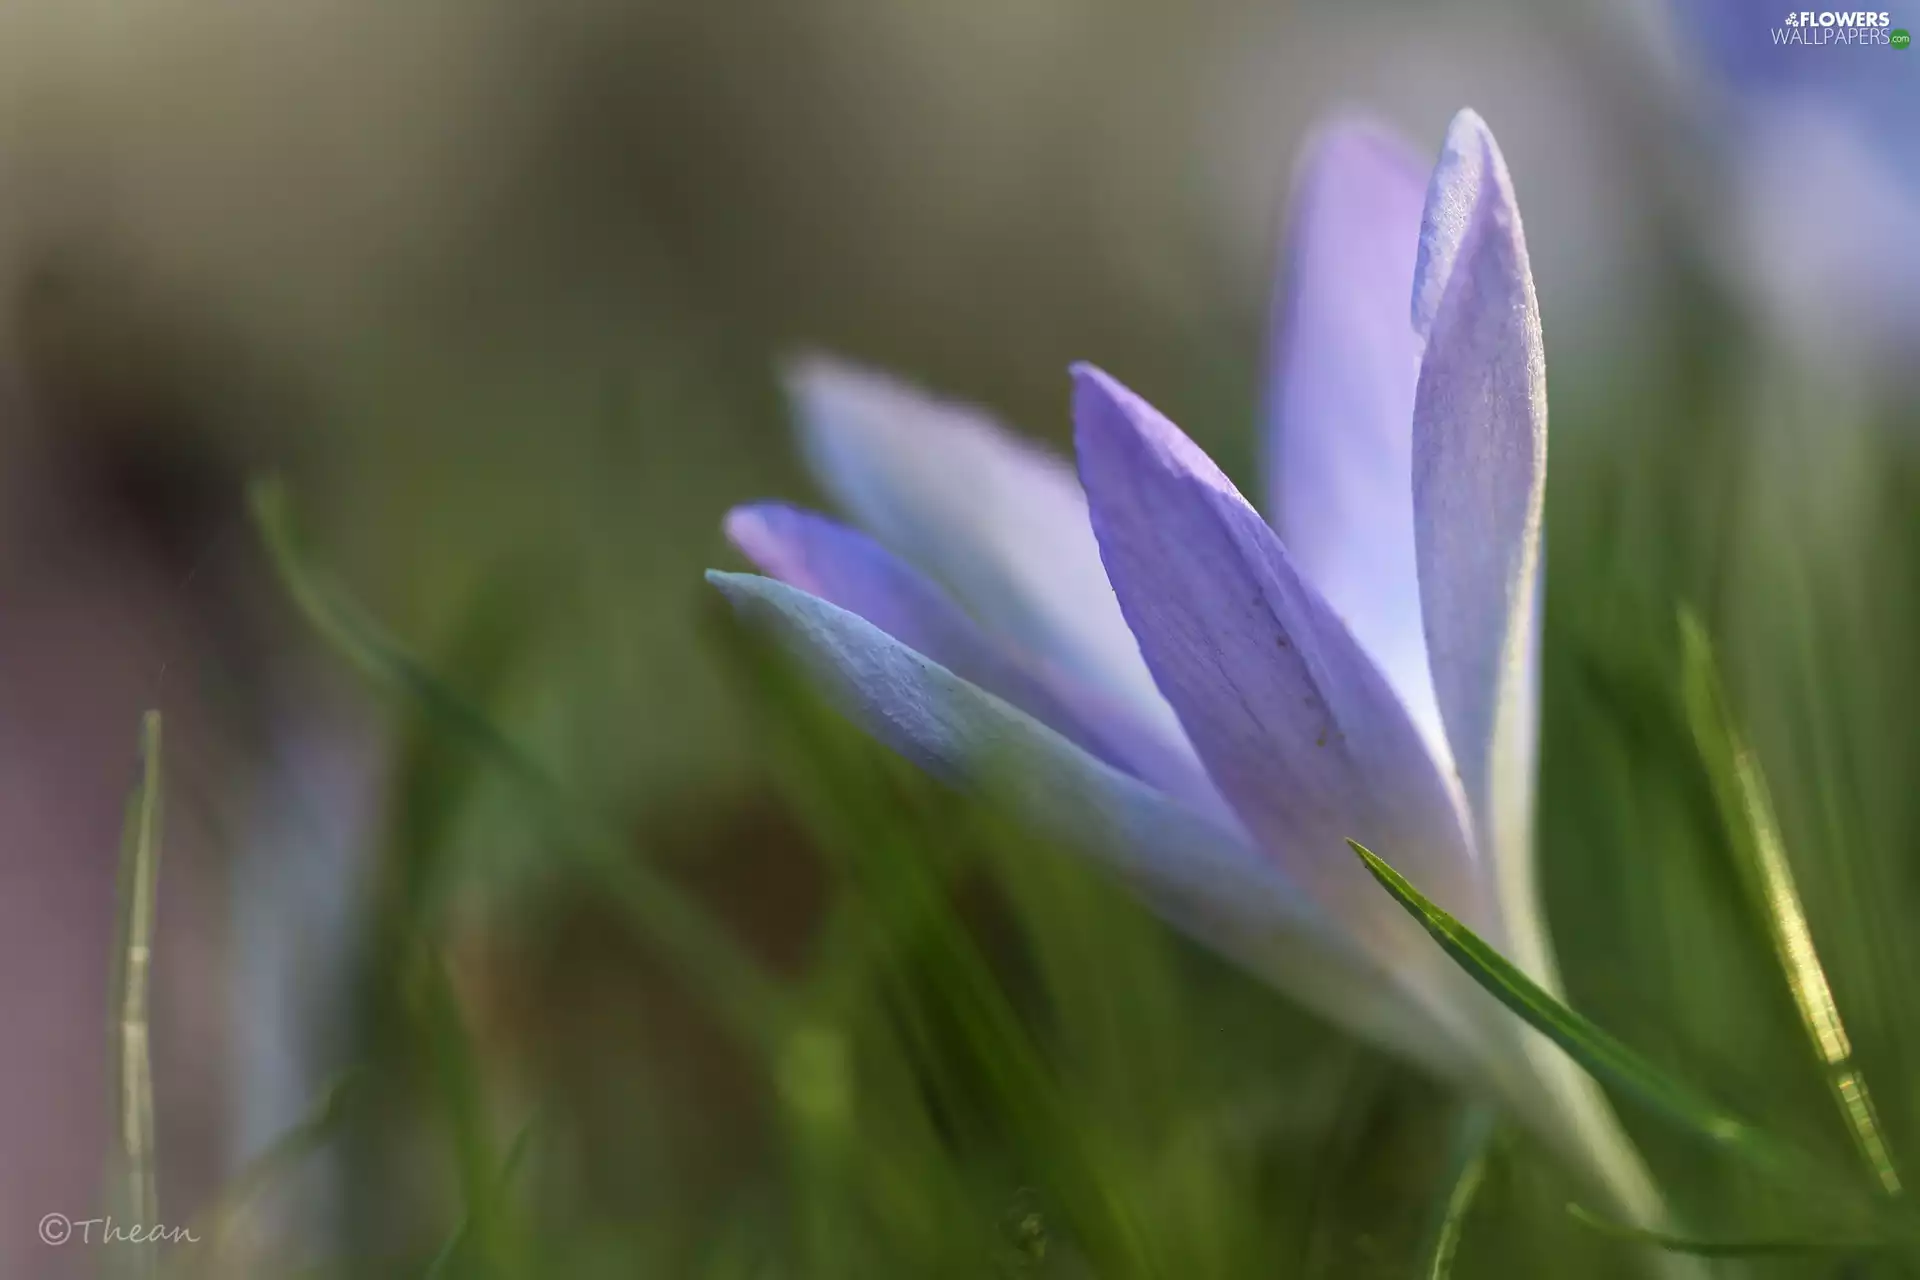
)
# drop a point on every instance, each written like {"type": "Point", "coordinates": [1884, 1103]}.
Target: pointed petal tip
{"type": "Point", "coordinates": [804, 367]}
{"type": "Point", "coordinates": [822, 387]}
{"type": "Point", "coordinates": [1103, 403]}
{"type": "Point", "coordinates": [1114, 426]}
{"type": "Point", "coordinates": [1087, 374]}
{"type": "Point", "coordinates": [1105, 408]}
{"type": "Point", "coordinates": [833, 397]}
{"type": "Point", "coordinates": [1352, 135]}
{"type": "Point", "coordinates": [1350, 164]}
{"type": "Point", "coordinates": [1099, 403]}
{"type": "Point", "coordinates": [726, 581]}
{"type": "Point", "coordinates": [755, 529]}
{"type": "Point", "coordinates": [1468, 121]}
{"type": "Point", "coordinates": [752, 595]}
{"type": "Point", "coordinates": [1470, 160]}
{"type": "Point", "coordinates": [744, 526]}
{"type": "Point", "coordinates": [1469, 137]}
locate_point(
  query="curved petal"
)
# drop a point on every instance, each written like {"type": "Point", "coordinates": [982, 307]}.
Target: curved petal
{"type": "Point", "coordinates": [1340, 407]}
{"type": "Point", "coordinates": [848, 569]}
{"type": "Point", "coordinates": [1198, 872]}
{"type": "Point", "coordinates": [1297, 726]}
{"type": "Point", "coordinates": [1480, 456]}
{"type": "Point", "coordinates": [996, 519]}
{"type": "Point", "coordinates": [1479, 450]}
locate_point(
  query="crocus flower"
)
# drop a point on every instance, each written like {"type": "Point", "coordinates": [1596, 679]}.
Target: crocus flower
{"type": "Point", "coordinates": [1215, 703]}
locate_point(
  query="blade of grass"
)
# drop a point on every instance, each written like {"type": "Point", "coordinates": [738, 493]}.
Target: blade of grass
{"type": "Point", "coordinates": [433, 781]}
{"type": "Point", "coordinates": [995, 1048]}
{"type": "Point", "coordinates": [1760, 857]}
{"type": "Point", "coordinates": [1595, 1050]}
{"type": "Point", "coordinates": [706, 954]}
{"type": "Point", "coordinates": [465, 1231]}
{"type": "Point", "coordinates": [953, 1011]}
{"type": "Point", "coordinates": [137, 1186]}
{"type": "Point", "coordinates": [486, 1231]}
{"type": "Point", "coordinates": [1473, 1149]}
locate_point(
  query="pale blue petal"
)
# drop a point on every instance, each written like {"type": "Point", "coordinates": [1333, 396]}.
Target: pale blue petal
{"type": "Point", "coordinates": [1297, 726]}
{"type": "Point", "coordinates": [999, 521]}
{"type": "Point", "coordinates": [1199, 872]}
{"type": "Point", "coordinates": [1479, 449]}
{"type": "Point", "coordinates": [1340, 444]}
{"type": "Point", "coordinates": [848, 569]}
{"type": "Point", "coordinates": [1480, 455]}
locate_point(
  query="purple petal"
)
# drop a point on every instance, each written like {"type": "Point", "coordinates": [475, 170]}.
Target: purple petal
{"type": "Point", "coordinates": [1479, 466]}
{"type": "Point", "coordinates": [1451, 211]}
{"type": "Point", "coordinates": [848, 569]}
{"type": "Point", "coordinates": [1340, 456]}
{"type": "Point", "coordinates": [1480, 455]}
{"type": "Point", "coordinates": [997, 520]}
{"type": "Point", "coordinates": [1199, 872]}
{"type": "Point", "coordinates": [1297, 726]}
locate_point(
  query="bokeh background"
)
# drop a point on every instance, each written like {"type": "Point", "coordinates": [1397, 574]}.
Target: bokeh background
{"type": "Point", "coordinates": [500, 291]}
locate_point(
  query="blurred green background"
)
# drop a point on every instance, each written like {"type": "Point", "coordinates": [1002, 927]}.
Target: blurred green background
{"type": "Point", "coordinates": [499, 290]}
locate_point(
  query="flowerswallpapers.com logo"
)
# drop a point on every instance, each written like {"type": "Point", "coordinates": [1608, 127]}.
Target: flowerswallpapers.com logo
{"type": "Point", "coordinates": [1827, 28]}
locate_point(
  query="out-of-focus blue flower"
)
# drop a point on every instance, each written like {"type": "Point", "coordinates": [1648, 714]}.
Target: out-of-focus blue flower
{"type": "Point", "coordinates": [1814, 110]}
{"type": "Point", "coordinates": [1216, 703]}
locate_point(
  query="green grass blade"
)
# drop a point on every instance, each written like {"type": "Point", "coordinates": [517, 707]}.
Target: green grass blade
{"type": "Point", "coordinates": [704, 953]}
{"type": "Point", "coordinates": [1593, 1048]}
{"type": "Point", "coordinates": [1467, 1172]}
{"type": "Point", "coordinates": [460, 1239]}
{"type": "Point", "coordinates": [1777, 1248]}
{"type": "Point", "coordinates": [1760, 856]}
{"type": "Point", "coordinates": [487, 1231]}
{"type": "Point", "coordinates": [953, 1013]}
{"type": "Point", "coordinates": [137, 1192]}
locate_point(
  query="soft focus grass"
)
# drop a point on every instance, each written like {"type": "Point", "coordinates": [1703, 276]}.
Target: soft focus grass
{"type": "Point", "coordinates": [977, 1057]}
{"type": "Point", "coordinates": [830, 1019]}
